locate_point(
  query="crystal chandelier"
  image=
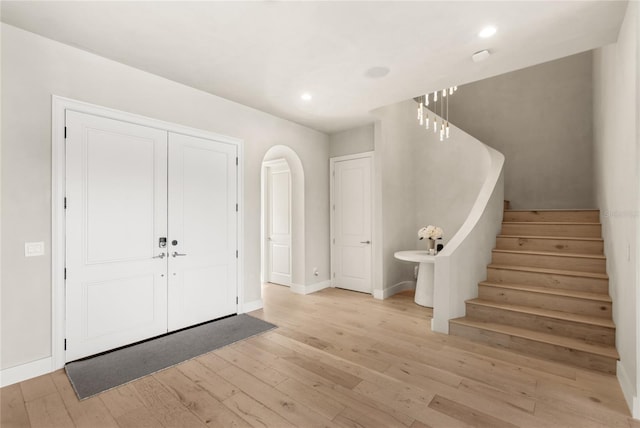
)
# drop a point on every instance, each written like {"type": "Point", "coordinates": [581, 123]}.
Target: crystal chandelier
{"type": "Point", "coordinates": [438, 100]}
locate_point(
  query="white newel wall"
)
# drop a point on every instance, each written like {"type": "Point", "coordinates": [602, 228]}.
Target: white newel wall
{"type": "Point", "coordinates": [463, 262]}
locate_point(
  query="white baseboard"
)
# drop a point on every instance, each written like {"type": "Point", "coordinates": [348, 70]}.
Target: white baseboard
{"type": "Point", "coordinates": [628, 390]}
{"type": "Point", "coordinates": [252, 306]}
{"type": "Point", "coordinates": [25, 371]}
{"type": "Point", "coordinates": [308, 289]}
{"type": "Point", "coordinates": [394, 289]}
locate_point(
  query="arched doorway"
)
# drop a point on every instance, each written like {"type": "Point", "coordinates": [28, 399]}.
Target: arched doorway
{"type": "Point", "coordinates": [282, 218]}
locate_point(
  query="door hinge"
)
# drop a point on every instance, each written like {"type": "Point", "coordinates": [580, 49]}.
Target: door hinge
{"type": "Point", "coordinates": [65, 344]}
{"type": "Point", "coordinates": [334, 240]}
{"type": "Point", "coordinates": [65, 203]}
{"type": "Point", "coordinates": [236, 207]}
{"type": "Point", "coordinates": [334, 274]}
{"type": "Point", "coordinates": [65, 273]}
{"type": "Point", "coordinates": [65, 132]}
{"type": "Point", "coordinates": [236, 254]}
{"type": "Point", "coordinates": [333, 172]}
{"type": "Point", "coordinates": [236, 161]}
{"type": "Point", "coordinates": [236, 300]}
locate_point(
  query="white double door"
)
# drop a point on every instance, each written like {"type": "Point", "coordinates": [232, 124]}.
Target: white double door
{"type": "Point", "coordinates": [151, 232]}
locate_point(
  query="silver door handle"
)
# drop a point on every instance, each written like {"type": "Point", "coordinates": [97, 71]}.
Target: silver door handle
{"type": "Point", "coordinates": [176, 254]}
{"type": "Point", "coordinates": [161, 256]}
{"type": "Point", "coordinates": [365, 242]}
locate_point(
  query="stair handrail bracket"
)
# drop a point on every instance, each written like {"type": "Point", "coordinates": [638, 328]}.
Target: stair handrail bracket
{"type": "Point", "coordinates": [462, 264]}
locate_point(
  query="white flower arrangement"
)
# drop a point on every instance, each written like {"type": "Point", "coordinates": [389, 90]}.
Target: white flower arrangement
{"type": "Point", "coordinates": [430, 232]}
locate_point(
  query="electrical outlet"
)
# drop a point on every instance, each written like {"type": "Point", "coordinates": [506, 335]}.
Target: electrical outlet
{"type": "Point", "coordinates": [32, 249]}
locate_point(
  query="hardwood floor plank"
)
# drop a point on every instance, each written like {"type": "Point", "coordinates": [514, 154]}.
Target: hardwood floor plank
{"type": "Point", "coordinates": [286, 406]}
{"type": "Point", "coordinates": [307, 395]}
{"type": "Point", "coordinates": [163, 404]}
{"type": "Point", "coordinates": [313, 365]}
{"type": "Point", "coordinates": [208, 380]}
{"type": "Point", "coordinates": [13, 412]}
{"type": "Point", "coordinates": [467, 414]}
{"type": "Point", "coordinates": [406, 401]}
{"type": "Point", "coordinates": [354, 418]}
{"type": "Point", "coordinates": [255, 413]}
{"type": "Point", "coordinates": [48, 411]}
{"type": "Point", "coordinates": [255, 367]}
{"type": "Point", "coordinates": [345, 396]}
{"type": "Point", "coordinates": [121, 400]}
{"type": "Point", "coordinates": [213, 362]}
{"type": "Point", "coordinates": [37, 387]}
{"type": "Point", "coordinates": [88, 413]}
{"type": "Point", "coordinates": [195, 398]}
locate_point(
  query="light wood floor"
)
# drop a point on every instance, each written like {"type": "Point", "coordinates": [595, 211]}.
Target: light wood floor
{"type": "Point", "coordinates": [342, 359]}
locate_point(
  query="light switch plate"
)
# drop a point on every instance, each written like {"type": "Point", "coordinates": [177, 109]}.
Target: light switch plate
{"type": "Point", "coordinates": [32, 249]}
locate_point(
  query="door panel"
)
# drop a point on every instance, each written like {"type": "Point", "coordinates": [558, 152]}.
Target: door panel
{"type": "Point", "coordinates": [279, 227]}
{"type": "Point", "coordinates": [352, 224]}
{"type": "Point", "coordinates": [203, 223]}
{"type": "Point", "coordinates": [116, 213]}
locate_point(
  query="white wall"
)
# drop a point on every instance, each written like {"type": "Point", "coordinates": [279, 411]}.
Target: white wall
{"type": "Point", "coordinates": [617, 153]}
{"type": "Point", "coordinates": [423, 181]}
{"type": "Point", "coordinates": [34, 68]}
{"type": "Point", "coordinates": [351, 141]}
{"type": "Point", "coordinates": [540, 118]}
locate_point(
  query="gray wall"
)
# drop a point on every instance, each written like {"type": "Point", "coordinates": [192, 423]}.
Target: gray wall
{"type": "Point", "coordinates": [540, 119]}
{"type": "Point", "coordinates": [33, 69]}
{"type": "Point", "coordinates": [616, 118]}
{"type": "Point", "coordinates": [351, 141]}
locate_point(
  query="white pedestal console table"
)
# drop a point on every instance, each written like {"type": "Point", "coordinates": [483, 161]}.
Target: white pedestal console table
{"type": "Point", "coordinates": [424, 283]}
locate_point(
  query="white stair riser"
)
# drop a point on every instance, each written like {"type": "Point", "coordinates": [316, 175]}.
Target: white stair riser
{"type": "Point", "coordinates": [545, 301]}
{"type": "Point", "coordinates": [543, 350]}
{"type": "Point", "coordinates": [553, 216]}
{"type": "Point", "coordinates": [576, 330]}
{"type": "Point", "coordinates": [579, 264]}
{"type": "Point", "coordinates": [550, 245]}
{"type": "Point", "coordinates": [569, 230]}
{"type": "Point", "coordinates": [576, 283]}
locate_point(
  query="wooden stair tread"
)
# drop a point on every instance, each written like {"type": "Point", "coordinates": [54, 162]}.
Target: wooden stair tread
{"type": "Point", "coordinates": [548, 223]}
{"type": "Point", "coordinates": [599, 297]}
{"type": "Point", "coordinates": [547, 313]}
{"type": "Point", "coordinates": [552, 211]}
{"type": "Point", "coordinates": [551, 253]}
{"type": "Point", "coordinates": [566, 342]}
{"type": "Point", "coordinates": [572, 238]}
{"type": "Point", "coordinates": [550, 271]}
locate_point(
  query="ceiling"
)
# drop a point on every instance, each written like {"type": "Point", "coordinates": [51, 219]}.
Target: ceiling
{"type": "Point", "coordinates": [265, 54]}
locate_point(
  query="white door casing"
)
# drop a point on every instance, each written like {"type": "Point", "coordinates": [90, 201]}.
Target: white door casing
{"type": "Point", "coordinates": [351, 220]}
{"type": "Point", "coordinates": [116, 213]}
{"type": "Point", "coordinates": [203, 225]}
{"type": "Point", "coordinates": [278, 201]}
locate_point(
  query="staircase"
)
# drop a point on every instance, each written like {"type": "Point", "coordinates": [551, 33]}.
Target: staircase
{"type": "Point", "coordinates": [546, 292]}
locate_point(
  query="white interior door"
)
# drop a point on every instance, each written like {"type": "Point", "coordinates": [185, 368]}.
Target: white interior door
{"type": "Point", "coordinates": [202, 230]}
{"type": "Point", "coordinates": [116, 198]}
{"type": "Point", "coordinates": [352, 224]}
{"type": "Point", "coordinates": [279, 223]}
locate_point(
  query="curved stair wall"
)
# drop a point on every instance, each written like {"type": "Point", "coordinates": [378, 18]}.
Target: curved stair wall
{"type": "Point", "coordinates": [463, 261]}
{"type": "Point", "coordinates": [424, 181]}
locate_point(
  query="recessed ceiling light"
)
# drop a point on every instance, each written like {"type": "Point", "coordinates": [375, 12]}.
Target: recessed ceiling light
{"type": "Point", "coordinates": [487, 32]}
{"type": "Point", "coordinates": [306, 96]}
